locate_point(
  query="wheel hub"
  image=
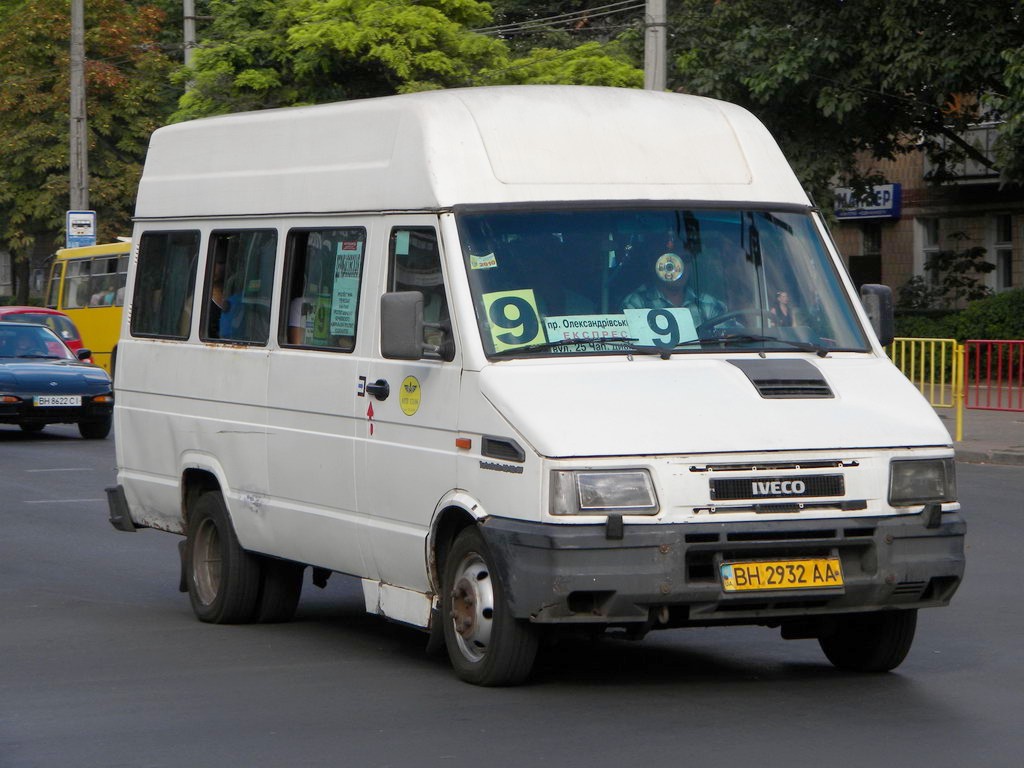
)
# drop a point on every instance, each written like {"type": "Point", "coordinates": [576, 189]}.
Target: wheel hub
{"type": "Point", "coordinates": [472, 611]}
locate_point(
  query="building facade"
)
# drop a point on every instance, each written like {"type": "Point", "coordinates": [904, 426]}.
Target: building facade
{"type": "Point", "coordinates": [889, 239]}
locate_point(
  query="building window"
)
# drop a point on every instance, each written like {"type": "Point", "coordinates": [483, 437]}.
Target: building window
{"type": "Point", "coordinates": [1004, 252]}
{"type": "Point", "coordinates": [871, 239]}
{"type": "Point", "coordinates": [929, 238]}
{"type": "Point", "coordinates": [867, 267]}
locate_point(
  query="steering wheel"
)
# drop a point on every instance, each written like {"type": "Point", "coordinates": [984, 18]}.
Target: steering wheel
{"type": "Point", "coordinates": [714, 322]}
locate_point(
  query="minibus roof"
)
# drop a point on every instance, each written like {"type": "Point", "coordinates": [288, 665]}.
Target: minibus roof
{"type": "Point", "coordinates": [490, 145]}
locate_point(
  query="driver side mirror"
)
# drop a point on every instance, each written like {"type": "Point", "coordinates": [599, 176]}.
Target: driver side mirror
{"type": "Point", "coordinates": [401, 325]}
{"type": "Point", "coordinates": [877, 301]}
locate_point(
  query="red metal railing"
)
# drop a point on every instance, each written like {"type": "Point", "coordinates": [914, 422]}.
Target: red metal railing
{"type": "Point", "coordinates": [994, 375]}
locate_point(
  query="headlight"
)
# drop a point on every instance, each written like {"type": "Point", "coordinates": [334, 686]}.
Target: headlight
{"type": "Point", "coordinates": [920, 481]}
{"type": "Point", "coordinates": [626, 492]}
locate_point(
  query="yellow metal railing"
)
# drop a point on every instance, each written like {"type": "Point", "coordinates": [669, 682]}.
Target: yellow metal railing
{"type": "Point", "coordinates": [936, 367]}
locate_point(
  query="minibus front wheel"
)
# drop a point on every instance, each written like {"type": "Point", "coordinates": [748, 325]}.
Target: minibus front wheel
{"type": "Point", "coordinates": [223, 579]}
{"type": "Point", "coordinates": [486, 644]}
{"type": "Point", "coordinates": [870, 642]}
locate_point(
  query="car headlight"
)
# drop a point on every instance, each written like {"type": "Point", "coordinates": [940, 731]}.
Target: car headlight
{"type": "Point", "coordinates": [921, 481]}
{"type": "Point", "coordinates": [622, 492]}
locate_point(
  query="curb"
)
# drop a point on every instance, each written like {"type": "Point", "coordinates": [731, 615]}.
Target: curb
{"type": "Point", "coordinates": [1005, 458]}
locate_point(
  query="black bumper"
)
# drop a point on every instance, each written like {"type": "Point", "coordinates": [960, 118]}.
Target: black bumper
{"type": "Point", "coordinates": [577, 574]}
{"type": "Point", "coordinates": [26, 413]}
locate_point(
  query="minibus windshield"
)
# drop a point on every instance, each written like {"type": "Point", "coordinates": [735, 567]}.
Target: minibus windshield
{"type": "Point", "coordinates": [654, 280]}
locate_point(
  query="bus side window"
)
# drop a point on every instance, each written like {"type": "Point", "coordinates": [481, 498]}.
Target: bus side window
{"type": "Point", "coordinates": [53, 291]}
{"type": "Point", "coordinates": [164, 284]}
{"type": "Point", "coordinates": [76, 284]}
{"type": "Point", "coordinates": [320, 306]}
{"type": "Point", "coordinates": [239, 286]}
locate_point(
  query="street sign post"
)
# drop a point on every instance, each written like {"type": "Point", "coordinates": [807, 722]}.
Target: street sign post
{"type": "Point", "coordinates": [81, 228]}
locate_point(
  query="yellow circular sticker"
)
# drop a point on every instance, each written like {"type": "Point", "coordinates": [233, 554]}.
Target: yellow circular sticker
{"type": "Point", "coordinates": [669, 267]}
{"type": "Point", "coordinates": [409, 395]}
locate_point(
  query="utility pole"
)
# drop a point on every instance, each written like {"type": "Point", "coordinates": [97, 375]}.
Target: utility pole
{"type": "Point", "coordinates": [79, 138]}
{"type": "Point", "coordinates": [190, 29]}
{"type": "Point", "coordinates": [654, 45]}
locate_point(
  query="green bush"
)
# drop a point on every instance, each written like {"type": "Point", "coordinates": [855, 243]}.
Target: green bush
{"type": "Point", "coordinates": [997, 317]}
{"type": "Point", "coordinates": [926, 325]}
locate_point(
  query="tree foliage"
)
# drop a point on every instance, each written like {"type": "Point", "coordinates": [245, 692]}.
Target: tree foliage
{"type": "Point", "coordinates": [833, 79]}
{"type": "Point", "coordinates": [126, 98]}
{"type": "Point", "coordinates": [956, 275]}
{"type": "Point", "coordinates": [269, 53]}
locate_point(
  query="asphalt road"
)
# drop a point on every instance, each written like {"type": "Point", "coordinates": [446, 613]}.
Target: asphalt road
{"type": "Point", "coordinates": [102, 664]}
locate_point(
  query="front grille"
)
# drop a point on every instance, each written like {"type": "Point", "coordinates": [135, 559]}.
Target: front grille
{"type": "Point", "coordinates": [783, 487]}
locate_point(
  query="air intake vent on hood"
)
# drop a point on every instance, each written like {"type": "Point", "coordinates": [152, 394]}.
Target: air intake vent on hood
{"type": "Point", "coordinates": [785, 379]}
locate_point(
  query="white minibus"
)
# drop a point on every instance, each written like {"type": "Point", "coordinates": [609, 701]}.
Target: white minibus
{"type": "Point", "coordinates": [523, 360]}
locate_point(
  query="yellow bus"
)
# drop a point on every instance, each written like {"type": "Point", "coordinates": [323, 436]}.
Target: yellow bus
{"type": "Point", "coordinates": [88, 285]}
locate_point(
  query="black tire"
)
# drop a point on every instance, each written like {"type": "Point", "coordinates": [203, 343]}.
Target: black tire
{"type": "Point", "coordinates": [280, 589]}
{"type": "Point", "coordinates": [223, 579]}
{"type": "Point", "coordinates": [486, 644]}
{"type": "Point", "coordinates": [32, 428]}
{"type": "Point", "coordinates": [870, 642]}
{"type": "Point", "coordinates": [95, 429]}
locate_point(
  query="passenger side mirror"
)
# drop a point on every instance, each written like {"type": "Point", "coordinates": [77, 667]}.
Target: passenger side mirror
{"type": "Point", "coordinates": [877, 301]}
{"type": "Point", "coordinates": [401, 325]}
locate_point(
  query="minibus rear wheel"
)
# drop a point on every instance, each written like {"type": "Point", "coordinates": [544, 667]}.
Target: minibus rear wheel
{"type": "Point", "coordinates": [223, 579]}
{"type": "Point", "coordinates": [486, 644]}
{"type": "Point", "coordinates": [870, 642]}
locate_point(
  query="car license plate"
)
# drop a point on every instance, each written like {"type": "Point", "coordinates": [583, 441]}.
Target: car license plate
{"type": "Point", "coordinates": [56, 401]}
{"type": "Point", "coordinates": [811, 573]}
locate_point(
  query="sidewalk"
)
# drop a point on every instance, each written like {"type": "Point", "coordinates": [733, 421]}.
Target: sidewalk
{"type": "Point", "coordinates": [990, 437]}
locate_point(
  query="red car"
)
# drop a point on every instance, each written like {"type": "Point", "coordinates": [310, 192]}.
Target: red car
{"type": "Point", "coordinates": [53, 319]}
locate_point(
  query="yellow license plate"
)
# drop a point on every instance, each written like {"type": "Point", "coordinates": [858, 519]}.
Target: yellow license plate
{"type": "Point", "coordinates": [812, 573]}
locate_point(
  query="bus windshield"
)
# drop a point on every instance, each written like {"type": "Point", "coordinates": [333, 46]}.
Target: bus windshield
{"type": "Point", "coordinates": [665, 281]}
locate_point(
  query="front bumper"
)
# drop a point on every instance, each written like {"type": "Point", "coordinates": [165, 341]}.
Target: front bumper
{"type": "Point", "coordinates": [561, 574]}
{"type": "Point", "coordinates": [24, 412]}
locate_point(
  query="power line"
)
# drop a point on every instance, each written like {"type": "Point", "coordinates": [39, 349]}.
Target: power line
{"type": "Point", "coordinates": [563, 18]}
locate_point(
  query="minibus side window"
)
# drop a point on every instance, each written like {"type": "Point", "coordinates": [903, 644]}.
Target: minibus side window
{"type": "Point", "coordinates": [164, 284]}
{"type": "Point", "coordinates": [415, 265]}
{"type": "Point", "coordinates": [239, 286]}
{"type": "Point", "coordinates": [323, 273]}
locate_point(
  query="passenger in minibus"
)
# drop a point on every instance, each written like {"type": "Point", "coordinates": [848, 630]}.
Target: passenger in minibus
{"type": "Point", "coordinates": [781, 310]}
{"type": "Point", "coordinates": [671, 287]}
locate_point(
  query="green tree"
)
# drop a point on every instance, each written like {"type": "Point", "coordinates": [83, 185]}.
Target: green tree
{"type": "Point", "coordinates": [587, 64]}
{"type": "Point", "coordinates": [833, 79]}
{"type": "Point", "coordinates": [958, 272]}
{"type": "Point", "coordinates": [563, 24]}
{"type": "Point", "coordinates": [269, 53]}
{"type": "Point", "coordinates": [127, 97]}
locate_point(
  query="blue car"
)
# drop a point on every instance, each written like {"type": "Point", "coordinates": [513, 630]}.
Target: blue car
{"type": "Point", "coordinates": [43, 382]}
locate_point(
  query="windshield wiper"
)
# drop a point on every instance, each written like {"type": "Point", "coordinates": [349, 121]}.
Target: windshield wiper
{"type": "Point", "coordinates": [743, 338]}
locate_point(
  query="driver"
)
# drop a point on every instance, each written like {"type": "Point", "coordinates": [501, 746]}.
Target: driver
{"type": "Point", "coordinates": [671, 287]}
